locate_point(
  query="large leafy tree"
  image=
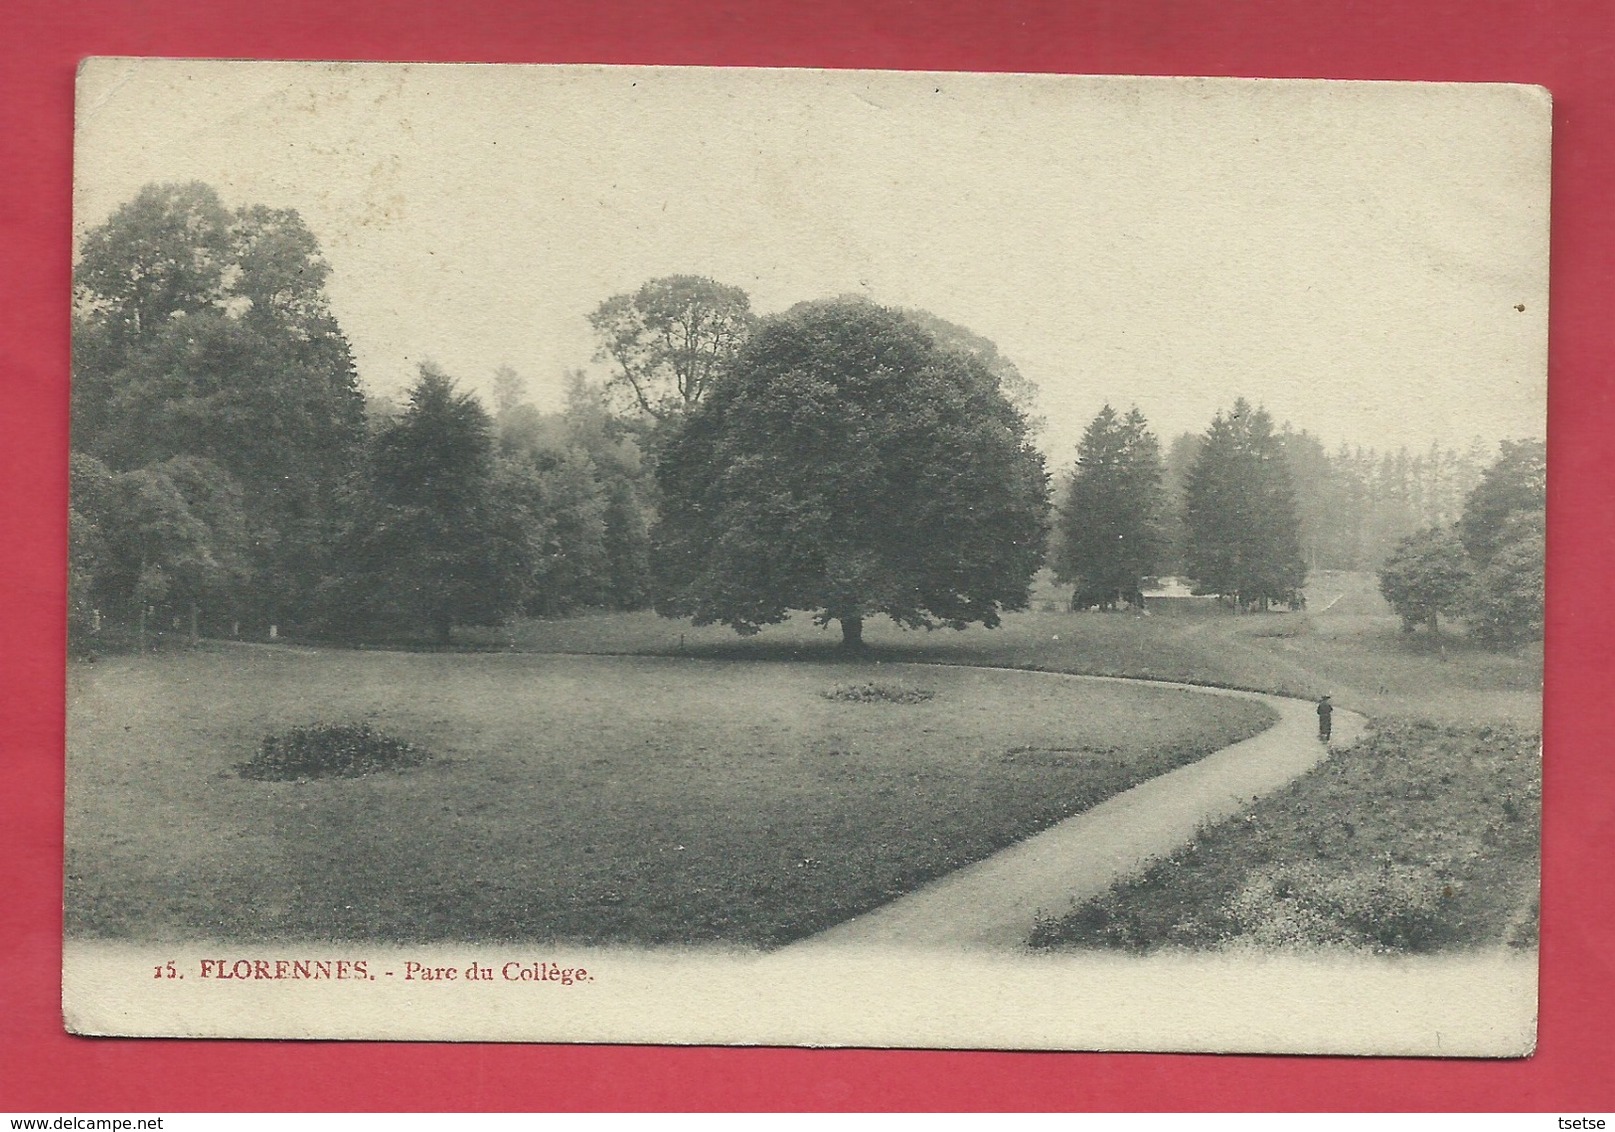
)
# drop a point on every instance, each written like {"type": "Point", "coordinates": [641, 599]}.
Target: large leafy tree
{"type": "Point", "coordinates": [1243, 533]}
{"type": "Point", "coordinates": [848, 465]}
{"type": "Point", "coordinates": [1427, 575]}
{"type": "Point", "coordinates": [1018, 389]}
{"type": "Point", "coordinates": [203, 332]}
{"type": "Point", "coordinates": [436, 540]}
{"type": "Point", "coordinates": [1109, 531]}
{"type": "Point", "coordinates": [670, 339]}
{"type": "Point", "coordinates": [162, 255]}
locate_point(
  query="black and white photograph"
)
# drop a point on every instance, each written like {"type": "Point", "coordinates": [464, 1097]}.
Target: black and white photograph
{"type": "Point", "coordinates": [820, 558]}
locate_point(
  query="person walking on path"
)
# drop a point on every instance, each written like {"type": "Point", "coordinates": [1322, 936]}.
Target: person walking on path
{"type": "Point", "coordinates": [1326, 711]}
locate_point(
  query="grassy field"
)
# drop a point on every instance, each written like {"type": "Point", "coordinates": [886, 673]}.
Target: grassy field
{"type": "Point", "coordinates": [1430, 829]}
{"type": "Point", "coordinates": [576, 798]}
{"type": "Point", "coordinates": [1349, 644]}
{"type": "Point", "coordinates": [704, 788]}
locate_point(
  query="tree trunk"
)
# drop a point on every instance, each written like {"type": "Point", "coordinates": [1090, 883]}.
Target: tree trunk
{"type": "Point", "coordinates": [441, 625]}
{"type": "Point", "coordinates": [852, 632]}
{"type": "Point", "coordinates": [196, 637]}
{"type": "Point", "coordinates": [142, 628]}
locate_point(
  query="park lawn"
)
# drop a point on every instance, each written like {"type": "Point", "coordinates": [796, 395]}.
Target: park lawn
{"type": "Point", "coordinates": [1354, 649]}
{"type": "Point", "coordinates": [1430, 829]}
{"type": "Point", "coordinates": [575, 798]}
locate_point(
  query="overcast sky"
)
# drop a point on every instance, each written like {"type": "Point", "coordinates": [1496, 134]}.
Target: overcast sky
{"type": "Point", "coordinates": [1351, 255]}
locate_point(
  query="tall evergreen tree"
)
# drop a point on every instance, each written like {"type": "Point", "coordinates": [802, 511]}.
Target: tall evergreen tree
{"type": "Point", "coordinates": [1517, 481]}
{"type": "Point", "coordinates": [1108, 525]}
{"type": "Point", "coordinates": [1504, 528]}
{"type": "Point", "coordinates": [435, 540]}
{"type": "Point", "coordinates": [1244, 537]}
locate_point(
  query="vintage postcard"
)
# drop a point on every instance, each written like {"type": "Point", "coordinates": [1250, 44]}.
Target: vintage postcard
{"type": "Point", "coordinates": [677, 555]}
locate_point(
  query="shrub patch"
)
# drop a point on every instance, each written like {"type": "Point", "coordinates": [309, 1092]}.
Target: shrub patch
{"type": "Point", "coordinates": [325, 750]}
{"type": "Point", "coordinates": [871, 692]}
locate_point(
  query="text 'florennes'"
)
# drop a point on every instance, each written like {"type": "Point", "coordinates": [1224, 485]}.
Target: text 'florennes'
{"type": "Point", "coordinates": [320, 970]}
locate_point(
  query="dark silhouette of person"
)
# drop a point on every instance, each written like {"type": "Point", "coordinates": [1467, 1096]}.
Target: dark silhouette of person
{"type": "Point", "coordinates": [1326, 711]}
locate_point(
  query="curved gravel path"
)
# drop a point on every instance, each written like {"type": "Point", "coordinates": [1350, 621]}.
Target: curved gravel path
{"type": "Point", "coordinates": [995, 903]}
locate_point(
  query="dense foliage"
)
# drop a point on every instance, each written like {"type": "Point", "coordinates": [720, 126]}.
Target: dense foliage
{"type": "Point", "coordinates": [1354, 503]}
{"type": "Point", "coordinates": [435, 537]}
{"type": "Point", "coordinates": [1515, 485]}
{"type": "Point", "coordinates": [1109, 521]}
{"type": "Point", "coordinates": [1489, 567]}
{"type": "Point", "coordinates": [167, 536]}
{"type": "Point", "coordinates": [849, 465]}
{"type": "Point", "coordinates": [1505, 604]}
{"type": "Point", "coordinates": [1427, 575]}
{"type": "Point", "coordinates": [842, 458]}
{"type": "Point", "coordinates": [204, 334]}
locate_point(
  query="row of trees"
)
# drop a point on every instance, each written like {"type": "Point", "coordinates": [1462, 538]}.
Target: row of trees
{"type": "Point", "coordinates": [1236, 526]}
{"type": "Point", "coordinates": [1233, 524]}
{"type": "Point", "coordinates": [227, 471]}
{"type": "Point", "coordinates": [842, 458]}
{"type": "Point", "coordinates": [461, 517]}
{"type": "Point", "coordinates": [1354, 504]}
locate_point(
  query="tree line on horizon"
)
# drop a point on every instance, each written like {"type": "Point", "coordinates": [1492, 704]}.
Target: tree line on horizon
{"type": "Point", "coordinates": [841, 458]}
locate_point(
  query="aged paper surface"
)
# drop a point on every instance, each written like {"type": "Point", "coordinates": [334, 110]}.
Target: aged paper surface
{"type": "Point", "coordinates": [1368, 261]}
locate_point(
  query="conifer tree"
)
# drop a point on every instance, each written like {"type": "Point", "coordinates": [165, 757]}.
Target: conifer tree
{"type": "Point", "coordinates": [1110, 519]}
{"type": "Point", "coordinates": [1244, 535]}
{"type": "Point", "coordinates": [436, 539]}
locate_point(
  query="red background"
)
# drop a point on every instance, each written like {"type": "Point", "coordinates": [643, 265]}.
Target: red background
{"type": "Point", "coordinates": [1566, 46]}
